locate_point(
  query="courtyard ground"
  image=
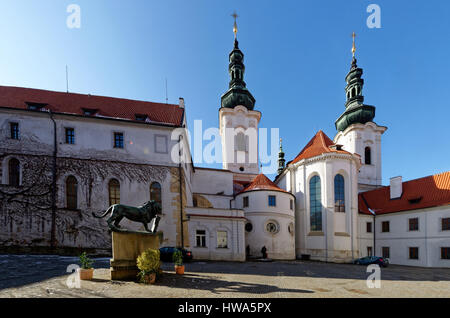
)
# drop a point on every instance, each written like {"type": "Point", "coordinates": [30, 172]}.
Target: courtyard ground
{"type": "Point", "coordinates": [45, 276]}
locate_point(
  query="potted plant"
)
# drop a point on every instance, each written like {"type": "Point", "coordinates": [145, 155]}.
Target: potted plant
{"type": "Point", "coordinates": [149, 265]}
{"type": "Point", "coordinates": [86, 271]}
{"type": "Point", "coordinates": [178, 260]}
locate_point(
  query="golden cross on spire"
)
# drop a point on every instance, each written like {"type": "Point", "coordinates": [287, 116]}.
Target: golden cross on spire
{"type": "Point", "coordinates": [235, 16]}
{"type": "Point", "coordinates": [353, 47]}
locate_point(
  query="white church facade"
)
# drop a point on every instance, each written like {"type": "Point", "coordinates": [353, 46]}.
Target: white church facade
{"type": "Point", "coordinates": [65, 156]}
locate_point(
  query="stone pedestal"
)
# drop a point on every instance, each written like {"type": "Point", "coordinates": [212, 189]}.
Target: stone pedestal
{"type": "Point", "coordinates": [126, 247]}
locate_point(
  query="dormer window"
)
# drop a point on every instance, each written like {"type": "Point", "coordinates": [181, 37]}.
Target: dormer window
{"type": "Point", "coordinates": [90, 111]}
{"type": "Point", "coordinates": [36, 106]}
{"type": "Point", "coordinates": [141, 117]}
{"type": "Point", "coordinates": [415, 200]}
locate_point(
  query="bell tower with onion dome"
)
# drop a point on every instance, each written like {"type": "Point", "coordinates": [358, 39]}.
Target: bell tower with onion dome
{"type": "Point", "coordinates": [357, 131]}
{"type": "Point", "coordinates": [238, 119]}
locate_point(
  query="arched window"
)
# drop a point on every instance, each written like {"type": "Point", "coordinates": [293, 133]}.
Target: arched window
{"type": "Point", "coordinates": [339, 193]}
{"type": "Point", "coordinates": [71, 193]}
{"type": "Point", "coordinates": [241, 142]}
{"type": "Point", "coordinates": [155, 193]}
{"type": "Point", "coordinates": [14, 172]}
{"type": "Point", "coordinates": [367, 156]}
{"type": "Point", "coordinates": [114, 192]}
{"type": "Point", "coordinates": [315, 204]}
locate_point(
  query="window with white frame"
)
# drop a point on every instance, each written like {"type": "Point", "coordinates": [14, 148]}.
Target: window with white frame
{"type": "Point", "coordinates": [200, 237]}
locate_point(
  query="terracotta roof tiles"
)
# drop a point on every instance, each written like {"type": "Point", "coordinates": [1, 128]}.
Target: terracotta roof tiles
{"type": "Point", "coordinates": [109, 107]}
{"type": "Point", "coordinates": [318, 145]}
{"type": "Point", "coordinates": [420, 193]}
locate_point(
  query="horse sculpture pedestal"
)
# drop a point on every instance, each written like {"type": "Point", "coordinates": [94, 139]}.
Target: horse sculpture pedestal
{"type": "Point", "coordinates": [126, 247]}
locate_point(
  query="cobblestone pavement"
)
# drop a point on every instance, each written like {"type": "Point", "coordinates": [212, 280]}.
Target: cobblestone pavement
{"type": "Point", "coordinates": [46, 276]}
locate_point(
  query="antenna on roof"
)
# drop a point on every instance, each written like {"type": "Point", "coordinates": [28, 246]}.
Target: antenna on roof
{"type": "Point", "coordinates": [167, 98]}
{"type": "Point", "coordinates": [67, 78]}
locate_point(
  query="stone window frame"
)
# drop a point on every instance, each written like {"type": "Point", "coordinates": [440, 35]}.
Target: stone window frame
{"type": "Point", "coordinates": [65, 136]}
{"type": "Point", "coordinates": [340, 179]}
{"type": "Point", "coordinates": [388, 249]}
{"type": "Point", "coordinates": [108, 184]}
{"type": "Point", "coordinates": [409, 224]}
{"type": "Point", "coordinates": [227, 236]}
{"type": "Point", "coordinates": [166, 145]}
{"type": "Point", "coordinates": [114, 139]}
{"type": "Point", "coordinates": [205, 236]}
{"type": "Point", "coordinates": [277, 227]}
{"type": "Point", "coordinates": [11, 123]}
{"type": "Point", "coordinates": [5, 170]}
{"type": "Point", "coordinates": [388, 226]}
{"type": "Point", "coordinates": [66, 193]}
{"type": "Point", "coordinates": [318, 198]}
{"type": "Point", "coordinates": [409, 253]}
{"type": "Point", "coordinates": [367, 227]}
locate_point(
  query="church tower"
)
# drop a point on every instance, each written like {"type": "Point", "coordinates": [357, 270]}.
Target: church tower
{"type": "Point", "coordinates": [238, 119]}
{"type": "Point", "coordinates": [357, 132]}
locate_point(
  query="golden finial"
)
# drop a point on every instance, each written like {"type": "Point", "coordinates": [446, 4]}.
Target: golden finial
{"type": "Point", "coordinates": [235, 29]}
{"type": "Point", "coordinates": [353, 47]}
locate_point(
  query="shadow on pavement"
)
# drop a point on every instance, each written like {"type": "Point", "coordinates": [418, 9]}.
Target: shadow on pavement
{"type": "Point", "coordinates": [20, 270]}
{"type": "Point", "coordinates": [217, 286]}
{"type": "Point", "coordinates": [319, 270]}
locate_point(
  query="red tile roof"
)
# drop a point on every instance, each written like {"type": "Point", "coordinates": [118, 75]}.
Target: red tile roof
{"type": "Point", "coordinates": [261, 182]}
{"type": "Point", "coordinates": [318, 145]}
{"type": "Point", "coordinates": [110, 107]}
{"type": "Point", "coordinates": [420, 193]}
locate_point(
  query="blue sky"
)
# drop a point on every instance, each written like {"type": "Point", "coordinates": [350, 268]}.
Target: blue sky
{"type": "Point", "coordinates": [297, 54]}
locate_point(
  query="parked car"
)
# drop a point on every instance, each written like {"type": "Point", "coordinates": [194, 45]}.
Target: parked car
{"type": "Point", "coordinates": [167, 253]}
{"type": "Point", "coordinates": [384, 262]}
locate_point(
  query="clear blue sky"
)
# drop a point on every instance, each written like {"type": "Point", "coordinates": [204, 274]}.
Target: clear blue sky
{"type": "Point", "coordinates": [297, 54]}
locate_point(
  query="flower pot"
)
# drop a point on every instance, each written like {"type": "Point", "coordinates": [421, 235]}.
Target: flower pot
{"type": "Point", "coordinates": [179, 269]}
{"type": "Point", "coordinates": [149, 278]}
{"type": "Point", "coordinates": [86, 274]}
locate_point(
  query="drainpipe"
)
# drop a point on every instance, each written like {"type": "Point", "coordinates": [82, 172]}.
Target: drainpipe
{"type": "Point", "coordinates": [181, 192]}
{"type": "Point", "coordinates": [53, 193]}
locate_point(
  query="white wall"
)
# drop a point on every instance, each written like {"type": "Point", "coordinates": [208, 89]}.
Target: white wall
{"type": "Point", "coordinates": [211, 221]}
{"type": "Point", "coordinates": [280, 245]}
{"type": "Point", "coordinates": [429, 238]}
{"type": "Point", "coordinates": [337, 240]}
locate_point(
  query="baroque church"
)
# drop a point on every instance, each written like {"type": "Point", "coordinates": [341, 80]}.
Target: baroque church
{"type": "Point", "coordinates": [64, 156]}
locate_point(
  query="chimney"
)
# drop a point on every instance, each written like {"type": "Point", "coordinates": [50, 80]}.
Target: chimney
{"type": "Point", "coordinates": [396, 187]}
{"type": "Point", "coordinates": [181, 103]}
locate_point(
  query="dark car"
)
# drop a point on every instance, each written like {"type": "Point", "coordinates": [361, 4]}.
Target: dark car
{"type": "Point", "coordinates": [384, 262]}
{"type": "Point", "coordinates": [167, 254]}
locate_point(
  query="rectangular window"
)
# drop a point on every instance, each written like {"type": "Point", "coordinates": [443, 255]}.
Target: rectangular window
{"type": "Point", "coordinates": [385, 226]}
{"type": "Point", "coordinates": [70, 136]}
{"type": "Point", "coordinates": [446, 224]}
{"type": "Point", "coordinates": [272, 200]}
{"type": "Point", "coordinates": [201, 238]}
{"type": "Point", "coordinates": [445, 252]}
{"type": "Point", "coordinates": [369, 250]}
{"type": "Point", "coordinates": [291, 204]}
{"type": "Point", "coordinates": [245, 202]}
{"type": "Point", "coordinates": [369, 227]}
{"type": "Point", "coordinates": [14, 127]}
{"type": "Point", "coordinates": [386, 253]}
{"type": "Point", "coordinates": [118, 140]}
{"type": "Point", "coordinates": [413, 253]}
{"type": "Point", "coordinates": [222, 239]}
{"type": "Point", "coordinates": [414, 224]}
{"type": "Point", "coordinates": [161, 144]}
